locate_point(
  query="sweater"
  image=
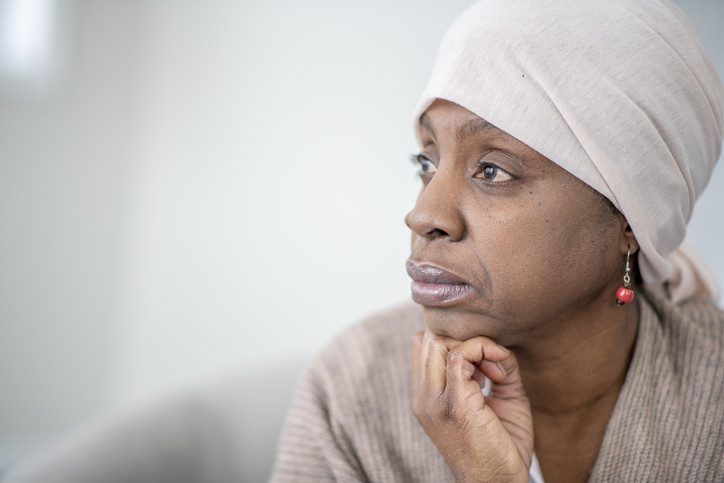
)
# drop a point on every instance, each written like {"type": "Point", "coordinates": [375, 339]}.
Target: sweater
{"type": "Point", "coordinates": [351, 418]}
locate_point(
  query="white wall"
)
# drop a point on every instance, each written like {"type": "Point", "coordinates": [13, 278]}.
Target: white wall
{"type": "Point", "coordinates": [270, 179]}
{"type": "Point", "coordinates": [64, 176]}
{"type": "Point", "coordinates": [216, 185]}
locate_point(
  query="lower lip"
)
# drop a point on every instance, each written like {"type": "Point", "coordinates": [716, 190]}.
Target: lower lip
{"type": "Point", "coordinates": [439, 293]}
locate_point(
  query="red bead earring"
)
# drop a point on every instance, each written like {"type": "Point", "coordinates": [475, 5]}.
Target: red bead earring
{"type": "Point", "coordinates": [625, 294]}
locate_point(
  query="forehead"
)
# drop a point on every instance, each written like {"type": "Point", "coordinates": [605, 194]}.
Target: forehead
{"type": "Point", "coordinates": [445, 118]}
{"type": "Point", "coordinates": [473, 125]}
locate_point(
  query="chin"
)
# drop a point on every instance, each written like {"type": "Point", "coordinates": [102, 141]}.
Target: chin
{"type": "Point", "coordinates": [464, 326]}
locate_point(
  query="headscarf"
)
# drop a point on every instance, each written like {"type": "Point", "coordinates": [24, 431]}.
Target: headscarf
{"type": "Point", "coordinates": [620, 93]}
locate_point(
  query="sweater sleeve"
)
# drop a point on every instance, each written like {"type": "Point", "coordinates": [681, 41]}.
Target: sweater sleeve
{"type": "Point", "coordinates": [313, 446]}
{"type": "Point", "coordinates": [351, 418]}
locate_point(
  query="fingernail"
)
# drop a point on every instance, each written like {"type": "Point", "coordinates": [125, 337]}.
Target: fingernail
{"type": "Point", "coordinates": [502, 371]}
{"type": "Point", "coordinates": [506, 351]}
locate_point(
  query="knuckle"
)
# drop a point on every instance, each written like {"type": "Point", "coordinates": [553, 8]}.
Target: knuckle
{"type": "Point", "coordinates": [442, 409]}
{"type": "Point", "coordinates": [418, 408]}
{"type": "Point", "coordinates": [454, 357]}
{"type": "Point", "coordinates": [445, 408]}
{"type": "Point", "coordinates": [438, 347]}
{"type": "Point", "coordinates": [513, 365]}
{"type": "Point", "coordinates": [434, 410]}
{"type": "Point", "coordinates": [424, 412]}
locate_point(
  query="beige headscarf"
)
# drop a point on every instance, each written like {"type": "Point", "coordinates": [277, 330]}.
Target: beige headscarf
{"type": "Point", "coordinates": [620, 93]}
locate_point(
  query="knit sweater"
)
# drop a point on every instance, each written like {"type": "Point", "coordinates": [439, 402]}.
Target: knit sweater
{"type": "Point", "coordinates": [351, 418]}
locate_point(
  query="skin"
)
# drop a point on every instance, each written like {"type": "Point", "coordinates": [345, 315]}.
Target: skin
{"type": "Point", "coordinates": [544, 254]}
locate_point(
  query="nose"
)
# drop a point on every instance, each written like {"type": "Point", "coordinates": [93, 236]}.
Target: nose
{"type": "Point", "coordinates": [437, 212]}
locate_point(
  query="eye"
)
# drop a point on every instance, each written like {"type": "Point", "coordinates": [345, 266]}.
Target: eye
{"type": "Point", "coordinates": [424, 163]}
{"type": "Point", "coordinates": [493, 174]}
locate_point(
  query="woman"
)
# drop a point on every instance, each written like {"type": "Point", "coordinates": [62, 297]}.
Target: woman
{"type": "Point", "coordinates": [563, 144]}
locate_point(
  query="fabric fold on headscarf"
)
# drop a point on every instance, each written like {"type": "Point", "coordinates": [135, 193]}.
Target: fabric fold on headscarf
{"type": "Point", "coordinates": [620, 93]}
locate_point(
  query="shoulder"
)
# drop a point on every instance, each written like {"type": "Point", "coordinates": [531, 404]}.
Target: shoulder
{"type": "Point", "coordinates": [351, 418]}
{"type": "Point", "coordinates": [668, 424]}
{"type": "Point", "coordinates": [370, 350]}
{"type": "Point", "coordinates": [679, 393]}
{"type": "Point", "coordinates": [688, 346]}
{"type": "Point", "coordinates": [692, 331]}
{"type": "Point", "coordinates": [385, 332]}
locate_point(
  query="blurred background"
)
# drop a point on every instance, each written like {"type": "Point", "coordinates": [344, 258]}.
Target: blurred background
{"type": "Point", "coordinates": [195, 188]}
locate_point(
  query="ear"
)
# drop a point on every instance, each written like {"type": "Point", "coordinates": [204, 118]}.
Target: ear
{"type": "Point", "coordinates": [628, 239]}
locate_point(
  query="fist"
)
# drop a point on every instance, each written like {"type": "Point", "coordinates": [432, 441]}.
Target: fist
{"type": "Point", "coordinates": [482, 438]}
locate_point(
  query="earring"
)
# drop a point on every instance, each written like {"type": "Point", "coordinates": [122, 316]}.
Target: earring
{"type": "Point", "coordinates": [625, 294]}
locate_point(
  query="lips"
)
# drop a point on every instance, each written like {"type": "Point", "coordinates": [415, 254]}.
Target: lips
{"type": "Point", "coordinates": [435, 286]}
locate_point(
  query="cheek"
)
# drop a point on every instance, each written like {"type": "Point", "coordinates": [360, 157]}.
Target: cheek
{"type": "Point", "coordinates": [528, 257]}
{"type": "Point", "coordinates": [539, 256]}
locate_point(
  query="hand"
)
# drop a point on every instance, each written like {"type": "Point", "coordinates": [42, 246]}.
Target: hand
{"type": "Point", "coordinates": [481, 438]}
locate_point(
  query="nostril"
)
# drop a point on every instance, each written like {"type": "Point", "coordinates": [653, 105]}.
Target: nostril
{"type": "Point", "coordinates": [436, 214]}
{"type": "Point", "coordinates": [426, 225]}
{"type": "Point", "coordinates": [436, 233]}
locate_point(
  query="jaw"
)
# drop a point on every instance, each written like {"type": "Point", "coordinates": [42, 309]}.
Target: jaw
{"type": "Point", "coordinates": [534, 327]}
{"type": "Point", "coordinates": [463, 325]}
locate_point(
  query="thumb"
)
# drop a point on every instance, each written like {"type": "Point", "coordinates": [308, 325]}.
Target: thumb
{"type": "Point", "coordinates": [510, 403]}
{"type": "Point", "coordinates": [505, 376]}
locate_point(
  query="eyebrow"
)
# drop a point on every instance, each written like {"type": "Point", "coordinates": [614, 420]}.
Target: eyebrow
{"type": "Point", "coordinates": [425, 122]}
{"type": "Point", "coordinates": [472, 126]}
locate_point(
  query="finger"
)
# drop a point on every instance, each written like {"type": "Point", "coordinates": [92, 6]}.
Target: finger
{"type": "Point", "coordinates": [422, 343]}
{"type": "Point", "coordinates": [479, 377]}
{"type": "Point", "coordinates": [490, 350]}
{"type": "Point", "coordinates": [505, 374]}
{"type": "Point", "coordinates": [424, 348]}
{"type": "Point", "coordinates": [493, 370]}
{"type": "Point", "coordinates": [468, 364]}
{"type": "Point", "coordinates": [462, 389]}
{"type": "Point", "coordinates": [464, 374]}
{"type": "Point", "coordinates": [435, 364]}
{"type": "Point", "coordinates": [420, 356]}
{"type": "Point", "coordinates": [476, 351]}
{"type": "Point", "coordinates": [449, 342]}
{"type": "Point", "coordinates": [508, 400]}
{"type": "Point", "coordinates": [416, 344]}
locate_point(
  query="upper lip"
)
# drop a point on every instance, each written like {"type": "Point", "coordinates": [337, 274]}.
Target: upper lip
{"type": "Point", "coordinates": [426, 272]}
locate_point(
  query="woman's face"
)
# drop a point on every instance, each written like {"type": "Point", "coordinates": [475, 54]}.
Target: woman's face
{"type": "Point", "coordinates": [505, 243]}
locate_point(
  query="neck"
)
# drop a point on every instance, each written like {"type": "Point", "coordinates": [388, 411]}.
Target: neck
{"type": "Point", "coordinates": [573, 380]}
{"type": "Point", "coordinates": [583, 364]}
